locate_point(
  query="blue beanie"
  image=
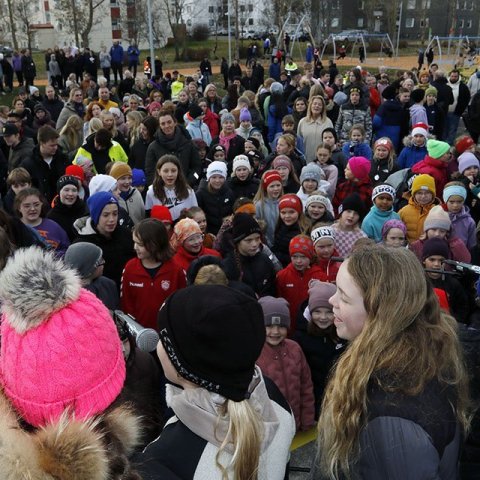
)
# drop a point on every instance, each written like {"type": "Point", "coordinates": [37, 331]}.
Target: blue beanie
{"type": "Point", "coordinates": [138, 177]}
{"type": "Point", "coordinates": [97, 202]}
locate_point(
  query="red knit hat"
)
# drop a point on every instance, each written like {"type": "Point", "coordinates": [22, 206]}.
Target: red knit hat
{"type": "Point", "coordinates": [463, 143]}
{"type": "Point", "coordinates": [301, 244]}
{"type": "Point", "coordinates": [383, 142]}
{"type": "Point", "coordinates": [75, 171]}
{"type": "Point", "coordinates": [269, 177]}
{"type": "Point", "coordinates": [162, 213]}
{"type": "Point", "coordinates": [290, 200]}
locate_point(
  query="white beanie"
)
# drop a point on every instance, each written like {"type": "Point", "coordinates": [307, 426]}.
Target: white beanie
{"type": "Point", "coordinates": [101, 183]}
{"type": "Point", "coordinates": [241, 161]}
{"type": "Point", "coordinates": [217, 168]}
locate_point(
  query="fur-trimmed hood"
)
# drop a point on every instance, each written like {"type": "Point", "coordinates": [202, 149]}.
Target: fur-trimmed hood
{"type": "Point", "coordinates": [408, 141]}
{"type": "Point", "coordinates": [67, 450]}
{"type": "Point", "coordinates": [83, 226]}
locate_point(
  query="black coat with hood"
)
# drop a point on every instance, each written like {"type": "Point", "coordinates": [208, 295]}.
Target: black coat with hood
{"type": "Point", "coordinates": [182, 147]}
{"type": "Point", "coordinates": [65, 215]}
{"type": "Point", "coordinates": [246, 188]}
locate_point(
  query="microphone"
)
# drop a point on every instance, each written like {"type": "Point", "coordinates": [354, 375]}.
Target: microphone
{"type": "Point", "coordinates": [145, 338]}
{"type": "Point", "coordinates": [337, 259]}
{"type": "Point", "coordinates": [461, 266]}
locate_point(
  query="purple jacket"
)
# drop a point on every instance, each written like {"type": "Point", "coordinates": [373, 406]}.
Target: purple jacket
{"type": "Point", "coordinates": [463, 227]}
{"type": "Point", "coordinates": [17, 63]}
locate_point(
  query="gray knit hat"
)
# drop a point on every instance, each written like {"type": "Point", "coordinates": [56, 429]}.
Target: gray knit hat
{"type": "Point", "coordinates": [83, 257]}
{"type": "Point", "coordinates": [311, 172]}
{"type": "Point", "coordinates": [227, 117]}
{"type": "Point", "coordinates": [275, 311]}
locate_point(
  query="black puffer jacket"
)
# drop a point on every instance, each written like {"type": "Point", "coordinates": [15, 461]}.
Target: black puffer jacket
{"type": "Point", "coordinates": [248, 188]}
{"type": "Point", "coordinates": [216, 205]}
{"type": "Point", "coordinates": [65, 215]}
{"type": "Point", "coordinates": [281, 241]}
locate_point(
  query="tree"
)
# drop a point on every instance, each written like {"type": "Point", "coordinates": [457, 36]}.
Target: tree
{"type": "Point", "coordinates": [79, 17]}
{"type": "Point", "coordinates": [23, 12]}
{"type": "Point", "coordinates": [12, 24]}
{"type": "Point", "coordinates": [173, 10]}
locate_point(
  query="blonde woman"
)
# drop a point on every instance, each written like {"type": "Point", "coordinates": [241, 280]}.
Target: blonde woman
{"type": "Point", "coordinates": [71, 136]}
{"type": "Point", "coordinates": [229, 422]}
{"type": "Point", "coordinates": [396, 406]}
{"type": "Point", "coordinates": [134, 120]}
{"type": "Point", "coordinates": [311, 127]}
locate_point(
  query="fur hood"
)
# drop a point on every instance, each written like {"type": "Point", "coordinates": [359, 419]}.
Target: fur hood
{"type": "Point", "coordinates": [67, 450]}
{"type": "Point", "coordinates": [83, 226]}
{"type": "Point", "coordinates": [408, 141]}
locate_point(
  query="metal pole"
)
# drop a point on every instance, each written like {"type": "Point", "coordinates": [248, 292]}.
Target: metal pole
{"type": "Point", "coordinates": [399, 25]}
{"type": "Point", "coordinates": [150, 38]}
{"type": "Point", "coordinates": [229, 35]}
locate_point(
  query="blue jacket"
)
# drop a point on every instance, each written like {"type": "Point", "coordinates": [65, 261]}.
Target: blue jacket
{"type": "Point", "coordinates": [372, 224]}
{"type": "Point", "coordinates": [116, 53]}
{"type": "Point", "coordinates": [133, 54]}
{"type": "Point", "coordinates": [274, 123]}
{"type": "Point", "coordinates": [410, 155]}
{"type": "Point", "coordinates": [274, 71]}
{"type": "Point", "coordinates": [359, 150]}
{"type": "Point", "coordinates": [388, 122]}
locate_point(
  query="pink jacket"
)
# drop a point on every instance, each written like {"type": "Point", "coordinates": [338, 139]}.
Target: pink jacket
{"type": "Point", "coordinates": [287, 366]}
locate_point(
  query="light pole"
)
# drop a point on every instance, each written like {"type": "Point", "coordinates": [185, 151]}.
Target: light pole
{"type": "Point", "coordinates": [150, 38]}
{"type": "Point", "coordinates": [399, 25]}
{"type": "Point", "coordinates": [229, 35]}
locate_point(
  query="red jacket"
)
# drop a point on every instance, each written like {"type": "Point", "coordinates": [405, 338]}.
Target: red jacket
{"type": "Point", "coordinates": [329, 268]}
{"type": "Point", "coordinates": [375, 100]}
{"type": "Point", "coordinates": [142, 296]}
{"type": "Point", "coordinates": [293, 287]}
{"type": "Point", "coordinates": [436, 169]}
{"type": "Point", "coordinates": [346, 188]}
{"type": "Point", "coordinates": [287, 366]}
{"type": "Point", "coordinates": [184, 259]}
{"type": "Point", "coordinates": [212, 121]}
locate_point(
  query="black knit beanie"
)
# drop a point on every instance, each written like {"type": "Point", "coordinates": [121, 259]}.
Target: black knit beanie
{"type": "Point", "coordinates": [244, 225]}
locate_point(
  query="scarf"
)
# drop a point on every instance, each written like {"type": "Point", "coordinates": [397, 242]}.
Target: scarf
{"type": "Point", "coordinates": [225, 140]}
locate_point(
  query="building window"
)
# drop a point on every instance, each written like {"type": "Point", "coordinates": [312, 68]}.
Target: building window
{"type": "Point", "coordinates": [47, 17]}
{"type": "Point", "coordinates": [250, 7]}
{"type": "Point", "coordinates": [211, 22]}
{"type": "Point", "coordinates": [334, 23]}
{"type": "Point", "coordinates": [461, 23]}
{"type": "Point", "coordinates": [211, 9]}
{"type": "Point", "coordinates": [113, 3]}
{"type": "Point", "coordinates": [360, 22]}
{"type": "Point", "coordinates": [242, 8]}
{"type": "Point", "coordinates": [411, 4]}
{"type": "Point", "coordinates": [424, 23]}
{"type": "Point", "coordinates": [410, 22]}
{"type": "Point", "coordinates": [469, 24]}
{"type": "Point", "coordinates": [426, 4]}
{"type": "Point", "coordinates": [115, 24]}
{"type": "Point", "coordinates": [361, 5]}
{"type": "Point", "coordinates": [189, 23]}
{"type": "Point", "coordinates": [250, 21]}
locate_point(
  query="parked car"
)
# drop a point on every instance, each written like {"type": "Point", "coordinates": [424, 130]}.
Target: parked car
{"type": "Point", "coordinates": [7, 51]}
{"type": "Point", "coordinates": [349, 35]}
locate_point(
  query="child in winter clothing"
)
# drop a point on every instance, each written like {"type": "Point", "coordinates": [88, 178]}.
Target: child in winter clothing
{"type": "Point", "coordinates": [394, 234]}
{"type": "Point", "coordinates": [418, 114]}
{"type": "Point", "coordinates": [291, 222]}
{"type": "Point", "coordinates": [421, 201]}
{"type": "Point", "coordinates": [356, 146]}
{"type": "Point", "coordinates": [324, 161]}
{"type": "Point", "coordinates": [469, 168]}
{"type": "Point", "coordinates": [284, 166]}
{"type": "Point", "coordinates": [415, 147]}
{"type": "Point", "coordinates": [463, 225]}
{"type": "Point", "coordinates": [383, 197]}
{"type": "Point", "coordinates": [435, 115]}
{"type": "Point", "coordinates": [323, 239]}
{"type": "Point", "coordinates": [435, 163]}
{"type": "Point", "coordinates": [283, 361]}
{"type": "Point", "coordinates": [293, 281]}
{"type": "Point", "coordinates": [245, 127]}
{"type": "Point", "coordinates": [347, 227]}
{"type": "Point", "coordinates": [357, 180]}
{"type": "Point", "coordinates": [266, 202]}
{"type": "Point", "coordinates": [18, 179]}
{"type": "Point", "coordinates": [130, 198]}
{"type": "Point", "coordinates": [195, 126]}
{"type": "Point", "coordinates": [242, 182]}
{"type": "Point", "coordinates": [197, 214]}
{"type": "Point", "coordinates": [215, 197]}
{"type": "Point", "coordinates": [312, 179]}
{"type": "Point", "coordinates": [383, 161]}
{"type": "Point", "coordinates": [317, 336]}
{"type": "Point", "coordinates": [329, 138]}
{"type": "Point", "coordinates": [318, 208]}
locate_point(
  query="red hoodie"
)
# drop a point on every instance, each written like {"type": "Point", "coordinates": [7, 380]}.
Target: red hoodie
{"type": "Point", "coordinates": [184, 258]}
{"type": "Point", "coordinates": [436, 169]}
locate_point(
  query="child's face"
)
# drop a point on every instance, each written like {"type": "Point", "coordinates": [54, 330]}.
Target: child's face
{"type": "Point", "coordinates": [349, 219]}
{"type": "Point", "coordinates": [300, 262]}
{"type": "Point", "coordinates": [324, 248]}
{"type": "Point", "coordinates": [216, 181]}
{"type": "Point", "coordinates": [348, 173]}
{"type": "Point", "coordinates": [316, 210]}
{"type": "Point", "coordinates": [289, 216]}
{"type": "Point", "coordinates": [471, 172]}
{"type": "Point", "coordinates": [434, 262]}
{"type": "Point", "coordinates": [18, 187]}
{"type": "Point", "coordinates": [418, 140]}
{"type": "Point", "coordinates": [284, 172]}
{"type": "Point", "coordinates": [288, 127]}
{"type": "Point", "coordinates": [124, 183]}
{"type": "Point", "coordinates": [431, 99]}
{"type": "Point", "coordinates": [384, 202]}
{"type": "Point", "coordinates": [404, 97]}
{"type": "Point", "coordinates": [455, 204]}
{"type": "Point", "coordinates": [309, 186]}
{"type": "Point", "coordinates": [245, 124]}
{"type": "Point", "coordinates": [437, 233]}
{"type": "Point", "coordinates": [395, 238]}
{"type": "Point", "coordinates": [242, 173]}
{"type": "Point", "coordinates": [201, 220]}
{"type": "Point", "coordinates": [275, 335]}
{"type": "Point", "coordinates": [356, 136]}
{"type": "Point", "coordinates": [300, 107]}
{"type": "Point", "coordinates": [282, 147]}
{"type": "Point", "coordinates": [423, 197]}
{"type": "Point", "coordinates": [328, 139]}
{"type": "Point", "coordinates": [274, 190]}
{"type": "Point", "coordinates": [248, 146]}
{"type": "Point", "coordinates": [202, 152]}
{"type": "Point", "coordinates": [381, 152]}
{"type": "Point", "coordinates": [323, 155]}
{"type": "Point", "coordinates": [219, 156]}
{"type": "Point", "coordinates": [322, 317]}
{"type": "Point", "coordinates": [354, 98]}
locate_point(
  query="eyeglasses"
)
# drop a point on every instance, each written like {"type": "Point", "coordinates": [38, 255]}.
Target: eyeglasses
{"type": "Point", "coordinates": [100, 263]}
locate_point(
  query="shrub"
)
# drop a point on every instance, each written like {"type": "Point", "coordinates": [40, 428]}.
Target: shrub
{"type": "Point", "coordinates": [196, 54]}
{"type": "Point", "coordinates": [200, 33]}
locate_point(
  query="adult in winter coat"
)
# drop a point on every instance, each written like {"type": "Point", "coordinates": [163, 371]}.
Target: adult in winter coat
{"type": "Point", "coordinates": [172, 139]}
{"type": "Point", "coordinates": [52, 103]}
{"type": "Point", "coordinates": [74, 106]}
{"type": "Point", "coordinates": [215, 401]}
{"type": "Point", "coordinates": [408, 420]}
{"type": "Point", "coordinates": [102, 229]}
{"type": "Point", "coordinates": [152, 276]}
{"type": "Point", "coordinates": [354, 112]}
{"type": "Point", "coordinates": [233, 143]}
{"type": "Point", "coordinates": [73, 423]}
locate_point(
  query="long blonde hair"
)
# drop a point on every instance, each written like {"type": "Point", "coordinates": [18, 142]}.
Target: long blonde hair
{"type": "Point", "coordinates": [406, 342]}
{"type": "Point", "coordinates": [245, 432]}
{"type": "Point", "coordinates": [73, 131]}
{"type": "Point", "coordinates": [136, 118]}
{"type": "Point", "coordinates": [323, 115]}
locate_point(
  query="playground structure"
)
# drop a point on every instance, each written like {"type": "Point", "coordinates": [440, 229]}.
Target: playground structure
{"type": "Point", "coordinates": [455, 47]}
{"type": "Point", "coordinates": [360, 40]}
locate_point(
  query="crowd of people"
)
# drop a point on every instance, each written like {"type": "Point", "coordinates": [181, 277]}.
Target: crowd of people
{"type": "Point", "coordinates": [296, 244]}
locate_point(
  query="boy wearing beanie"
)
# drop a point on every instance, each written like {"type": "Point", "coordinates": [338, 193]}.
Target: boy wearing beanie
{"type": "Point", "coordinates": [130, 198]}
{"type": "Point", "coordinates": [283, 361]}
{"type": "Point", "coordinates": [317, 336]}
{"type": "Point", "coordinates": [421, 201]}
{"type": "Point", "coordinates": [357, 180]}
{"type": "Point", "coordinates": [435, 163]}
{"type": "Point", "coordinates": [293, 281]}
{"type": "Point", "coordinates": [435, 115]}
{"type": "Point", "coordinates": [383, 197]}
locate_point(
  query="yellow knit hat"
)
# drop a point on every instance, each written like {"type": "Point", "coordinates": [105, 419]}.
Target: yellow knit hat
{"type": "Point", "coordinates": [120, 169]}
{"type": "Point", "coordinates": [423, 182]}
